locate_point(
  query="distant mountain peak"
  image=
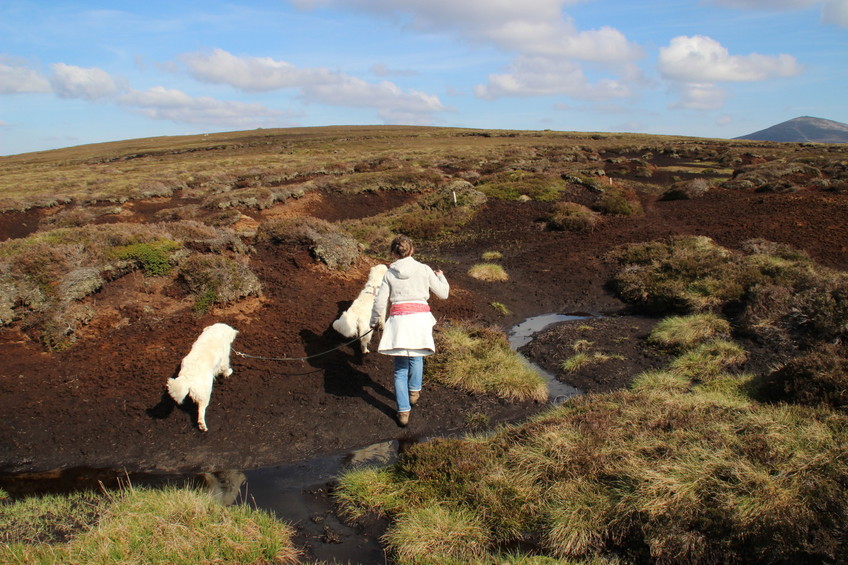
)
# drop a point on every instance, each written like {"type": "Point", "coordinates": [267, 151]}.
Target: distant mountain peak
{"type": "Point", "coordinates": [803, 129]}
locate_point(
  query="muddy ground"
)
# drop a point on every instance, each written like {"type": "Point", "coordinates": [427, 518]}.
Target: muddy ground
{"type": "Point", "coordinates": [101, 404]}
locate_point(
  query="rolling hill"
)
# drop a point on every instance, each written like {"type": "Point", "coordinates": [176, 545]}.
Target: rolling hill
{"type": "Point", "coordinates": [803, 129]}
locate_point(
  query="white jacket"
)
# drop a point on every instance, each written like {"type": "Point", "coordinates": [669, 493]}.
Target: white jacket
{"type": "Point", "coordinates": [407, 280]}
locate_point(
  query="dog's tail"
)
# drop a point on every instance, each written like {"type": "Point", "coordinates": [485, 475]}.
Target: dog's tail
{"type": "Point", "coordinates": [178, 389]}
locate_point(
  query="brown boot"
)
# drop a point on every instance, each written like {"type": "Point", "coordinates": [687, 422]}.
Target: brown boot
{"type": "Point", "coordinates": [413, 397]}
{"type": "Point", "coordinates": [403, 418]}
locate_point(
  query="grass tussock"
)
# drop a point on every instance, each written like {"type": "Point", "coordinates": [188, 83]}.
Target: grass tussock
{"type": "Point", "coordinates": [501, 308]}
{"type": "Point", "coordinates": [818, 377]}
{"type": "Point", "coordinates": [782, 295]}
{"type": "Point", "coordinates": [685, 466]}
{"type": "Point", "coordinates": [214, 279]}
{"type": "Point", "coordinates": [514, 185]}
{"type": "Point", "coordinates": [570, 216]}
{"type": "Point", "coordinates": [436, 214]}
{"type": "Point", "coordinates": [325, 241]}
{"type": "Point", "coordinates": [490, 256]}
{"type": "Point", "coordinates": [488, 272]}
{"type": "Point", "coordinates": [169, 526]}
{"type": "Point", "coordinates": [480, 359]}
{"type": "Point", "coordinates": [582, 359]}
{"type": "Point", "coordinates": [651, 475]}
{"type": "Point", "coordinates": [619, 202]}
{"type": "Point", "coordinates": [678, 333]}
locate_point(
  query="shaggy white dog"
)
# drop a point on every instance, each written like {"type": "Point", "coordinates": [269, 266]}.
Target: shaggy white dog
{"type": "Point", "coordinates": [208, 358]}
{"type": "Point", "coordinates": [355, 321]}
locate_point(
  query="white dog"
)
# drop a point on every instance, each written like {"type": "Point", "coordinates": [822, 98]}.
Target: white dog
{"type": "Point", "coordinates": [208, 358]}
{"type": "Point", "coordinates": [355, 321]}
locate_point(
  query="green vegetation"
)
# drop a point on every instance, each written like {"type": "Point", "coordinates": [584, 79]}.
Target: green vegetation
{"type": "Point", "coordinates": [783, 295]}
{"type": "Point", "coordinates": [490, 256]}
{"type": "Point", "coordinates": [583, 356]}
{"type": "Point", "coordinates": [326, 242]}
{"type": "Point", "coordinates": [501, 308]}
{"type": "Point", "coordinates": [479, 359]}
{"type": "Point", "coordinates": [582, 359]}
{"type": "Point", "coordinates": [213, 278]}
{"type": "Point", "coordinates": [619, 202]}
{"type": "Point", "coordinates": [515, 184]}
{"type": "Point", "coordinates": [819, 376]}
{"type": "Point", "coordinates": [570, 216]}
{"type": "Point", "coordinates": [677, 333]}
{"type": "Point", "coordinates": [167, 526]}
{"type": "Point", "coordinates": [46, 276]}
{"type": "Point", "coordinates": [681, 468]}
{"type": "Point", "coordinates": [489, 272]}
{"type": "Point", "coordinates": [153, 258]}
{"type": "Point", "coordinates": [695, 462]}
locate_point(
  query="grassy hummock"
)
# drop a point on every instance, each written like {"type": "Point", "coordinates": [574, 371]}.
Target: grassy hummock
{"type": "Point", "coordinates": [479, 359]}
{"type": "Point", "coordinates": [697, 462]}
{"type": "Point", "coordinates": [174, 526]}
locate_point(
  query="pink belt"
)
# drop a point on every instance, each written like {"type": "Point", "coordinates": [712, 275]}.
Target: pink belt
{"type": "Point", "coordinates": [408, 308]}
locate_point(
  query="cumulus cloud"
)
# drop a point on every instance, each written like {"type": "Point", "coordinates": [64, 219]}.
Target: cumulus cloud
{"type": "Point", "coordinates": [16, 78]}
{"type": "Point", "coordinates": [314, 84]}
{"type": "Point", "coordinates": [695, 64]}
{"type": "Point", "coordinates": [530, 27]}
{"type": "Point", "coordinates": [70, 81]}
{"type": "Point", "coordinates": [543, 76]}
{"type": "Point", "coordinates": [251, 74]}
{"type": "Point", "coordinates": [537, 31]}
{"type": "Point", "coordinates": [162, 103]}
{"type": "Point", "coordinates": [703, 59]}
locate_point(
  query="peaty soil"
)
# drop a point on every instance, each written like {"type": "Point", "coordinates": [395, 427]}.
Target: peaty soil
{"type": "Point", "coordinates": [102, 403]}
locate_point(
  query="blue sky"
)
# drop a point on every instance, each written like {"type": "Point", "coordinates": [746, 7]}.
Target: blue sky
{"type": "Point", "coordinates": [84, 72]}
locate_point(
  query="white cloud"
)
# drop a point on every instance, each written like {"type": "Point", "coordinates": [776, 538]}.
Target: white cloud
{"type": "Point", "coordinates": [699, 96]}
{"type": "Point", "coordinates": [547, 44]}
{"type": "Point", "coordinates": [70, 81]}
{"type": "Point", "coordinates": [252, 74]}
{"type": "Point", "coordinates": [382, 70]}
{"type": "Point", "coordinates": [544, 76]}
{"type": "Point", "coordinates": [703, 59]}
{"type": "Point", "coordinates": [832, 11]}
{"type": "Point", "coordinates": [724, 120]}
{"type": "Point", "coordinates": [314, 84]}
{"type": "Point", "coordinates": [16, 78]}
{"type": "Point", "coordinates": [161, 103]}
{"type": "Point", "coordinates": [530, 27]}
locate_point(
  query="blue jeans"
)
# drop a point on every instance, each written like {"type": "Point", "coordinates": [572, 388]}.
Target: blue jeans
{"type": "Point", "coordinates": [409, 376]}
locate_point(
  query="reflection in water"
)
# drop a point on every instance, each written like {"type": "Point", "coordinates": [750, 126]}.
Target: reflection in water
{"type": "Point", "coordinates": [224, 486]}
{"type": "Point", "coordinates": [522, 334]}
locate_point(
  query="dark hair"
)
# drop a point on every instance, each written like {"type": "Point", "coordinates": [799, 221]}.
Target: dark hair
{"type": "Point", "coordinates": [402, 246]}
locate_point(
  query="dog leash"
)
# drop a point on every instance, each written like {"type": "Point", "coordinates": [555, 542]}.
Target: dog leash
{"type": "Point", "coordinates": [240, 354]}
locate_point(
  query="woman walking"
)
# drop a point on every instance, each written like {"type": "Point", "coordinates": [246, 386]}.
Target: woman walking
{"type": "Point", "coordinates": [408, 331]}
